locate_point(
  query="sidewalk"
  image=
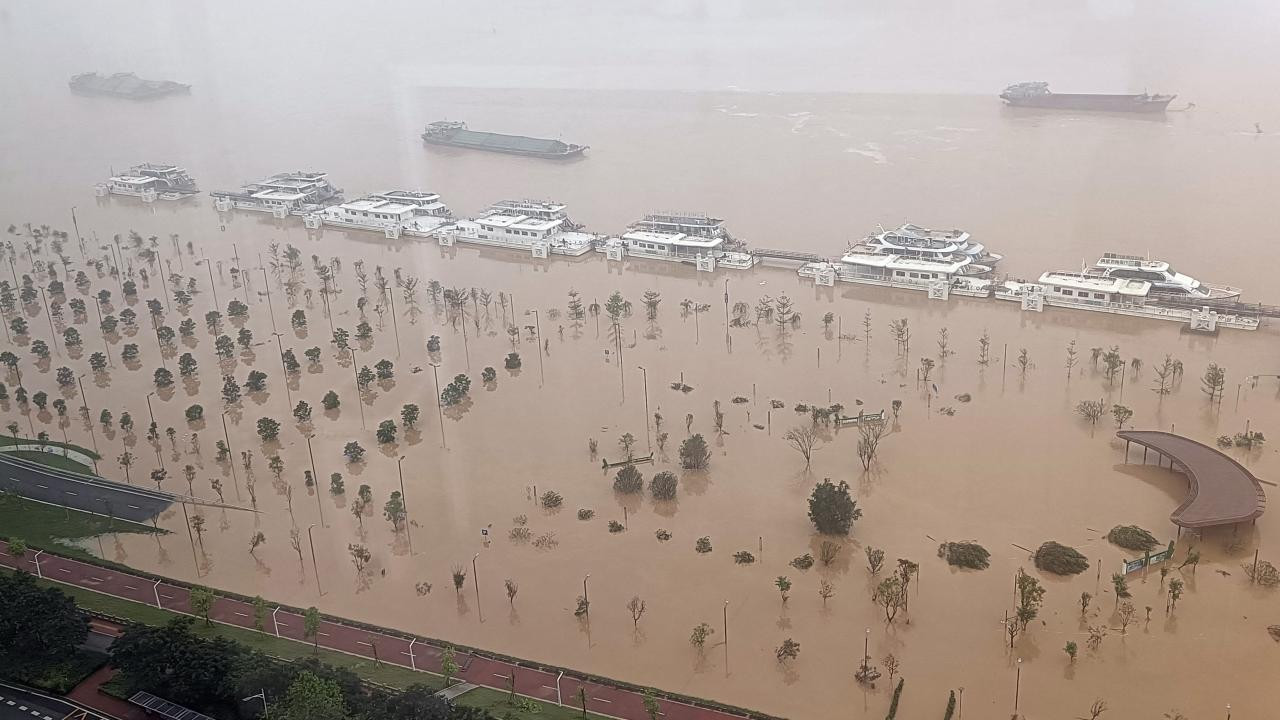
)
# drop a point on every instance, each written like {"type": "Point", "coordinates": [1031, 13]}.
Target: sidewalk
{"type": "Point", "coordinates": [412, 653]}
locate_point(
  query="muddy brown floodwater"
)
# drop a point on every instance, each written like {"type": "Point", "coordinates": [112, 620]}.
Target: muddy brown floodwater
{"type": "Point", "coordinates": [1012, 468]}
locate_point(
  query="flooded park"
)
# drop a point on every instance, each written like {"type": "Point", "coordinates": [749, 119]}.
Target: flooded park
{"type": "Point", "coordinates": [990, 452]}
{"type": "Point", "coordinates": [524, 454]}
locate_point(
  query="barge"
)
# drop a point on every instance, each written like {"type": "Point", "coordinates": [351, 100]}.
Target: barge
{"type": "Point", "coordinates": [1038, 95]}
{"type": "Point", "coordinates": [284, 194]}
{"type": "Point", "coordinates": [456, 134]}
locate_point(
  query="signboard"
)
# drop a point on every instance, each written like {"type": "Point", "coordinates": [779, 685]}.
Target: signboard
{"type": "Point", "coordinates": [1149, 559]}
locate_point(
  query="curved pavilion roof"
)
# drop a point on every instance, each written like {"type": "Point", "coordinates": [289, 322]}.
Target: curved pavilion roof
{"type": "Point", "coordinates": [1221, 492]}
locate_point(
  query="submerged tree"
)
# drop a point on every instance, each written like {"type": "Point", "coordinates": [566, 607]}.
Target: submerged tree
{"type": "Point", "coordinates": [832, 509]}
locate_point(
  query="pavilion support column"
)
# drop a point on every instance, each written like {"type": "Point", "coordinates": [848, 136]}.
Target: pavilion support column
{"type": "Point", "coordinates": [1144, 454]}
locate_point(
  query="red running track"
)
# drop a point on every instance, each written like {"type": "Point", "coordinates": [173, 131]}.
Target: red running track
{"type": "Point", "coordinates": [531, 682]}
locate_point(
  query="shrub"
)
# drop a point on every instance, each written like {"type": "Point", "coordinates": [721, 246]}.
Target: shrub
{"type": "Point", "coordinates": [662, 535]}
{"type": "Point", "coordinates": [663, 486]}
{"type": "Point", "coordinates": [353, 452]}
{"type": "Point", "coordinates": [703, 545]}
{"type": "Point", "coordinates": [1132, 537]}
{"type": "Point", "coordinates": [488, 375]}
{"type": "Point", "coordinates": [616, 527]}
{"type": "Point", "coordinates": [512, 362]}
{"type": "Point", "coordinates": [744, 557]}
{"type": "Point", "coordinates": [195, 413]}
{"type": "Point", "coordinates": [965, 554]}
{"type": "Point", "coordinates": [804, 562]}
{"type": "Point", "coordinates": [268, 429]}
{"type": "Point", "coordinates": [586, 513]}
{"type": "Point", "coordinates": [628, 480]}
{"type": "Point", "coordinates": [831, 508]}
{"type": "Point", "coordinates": [1060, 559]}
{"type": "Point", "coordinates": [330, 401]}
{"type": "Point", "coordinates": [551, 499]}
{"type": "Point", "coordinates": [694, 453]}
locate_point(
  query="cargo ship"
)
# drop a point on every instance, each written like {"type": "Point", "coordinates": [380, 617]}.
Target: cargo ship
{"type": "Point", "coordinates": [1037, 95]}
{"type": "Point", "coordinates": [456, 134]}
{"type": "Point", "coordinates": [124, 85]}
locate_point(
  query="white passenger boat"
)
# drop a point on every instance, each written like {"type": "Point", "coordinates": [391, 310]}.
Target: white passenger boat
{"type": "Point", "coordinates": [1165, 281]}
{"type": "Point", "coordinates": [535, 226]}
{"type": "Point", "coordinates": [948, 246]}
{"type": "Point", "coordinates": [691, 238]}
{"type": "Point", "coordinates": [940, 278]}
{"type": "Point", "coordinates": [290, 193]}
{"type": "Point", "coordinates": [1115, 295]}
{"type": "Point", "coordinates": [392, 213]}
{"type": "Point", "coordinates": [149, 182]}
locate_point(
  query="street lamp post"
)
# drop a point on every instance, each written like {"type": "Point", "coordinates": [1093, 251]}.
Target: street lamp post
{"type": "Point", "coordinates": [359, 402]}
{"type": "Point", "coordinates": [283, 370]}
{"type": "Point", "coordinates": [435, 372]}
{"type": "Point", "coordinates": [89, 418]}
{"type": "Point", "coordinates": [159, 456]}
{"type": "Point", "coordinates": [208, 265]}
{"type": "Point", "coordinates": [1017, 688]}
{"type": "Point", "coordinates": [726, 626]}
{"type": "Point", "coordinates": [53, 334]}
{"type": "Point", "coordinates": [267, 283]}
{"type": "Point", "coordinates": [475, 578]}
{"type": "Point", "coordinates": [404, 501]}
{"type": "Point", "coordinates": [98, 304]}
{"type": "Point", "coordinates": [395, 325]}
{"type": "Point", "coordinates": [314, 566]}
{"type": "Point", "coordinates": [231, 455]}
{"type": "Point", "coordinates": [584, 595]}
{"type": "Point", "coordinates": [866, 650]}
{"type": "Point", "coordinates": [30, 422]}
{"type": "Point", "coordinates": [315, 478]}
{"type": "Point", "coordinates": [538, 324]}
{"type": "Point", "coordinates": [648, 440]}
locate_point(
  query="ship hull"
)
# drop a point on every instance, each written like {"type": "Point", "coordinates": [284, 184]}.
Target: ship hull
{"type": "Point", "coordinates": [1094, 103]}
{"type": "Point", "coordinates": [574, 151]}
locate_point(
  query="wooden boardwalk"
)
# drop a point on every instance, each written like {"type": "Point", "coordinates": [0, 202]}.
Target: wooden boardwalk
{"type": "Point", "coordinates": [1221, 491]}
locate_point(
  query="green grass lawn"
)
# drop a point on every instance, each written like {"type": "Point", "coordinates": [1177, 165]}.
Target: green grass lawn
{"type": "Point", "coordinates": [46, 527]}
{"type": "Point", "coordinates": [51, 459]}
{"type": "Point", "coordinates": [384, 674]}
{"type": "Point", "coordinates": [6, 440]}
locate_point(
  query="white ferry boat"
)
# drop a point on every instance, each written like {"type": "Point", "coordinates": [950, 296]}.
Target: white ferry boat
{"type": "Point", "coordinates": [939, 245]}
{"type": "Point", "coordinates": [290, 193]}
{"type": "Point", "coordinates": [1115, 295]}
{"type": "Point", "coordinates": [1164, 280]}
{"type": "Point", "coordinates": [692, 238]}
{"type": "Point", "coordinates": [150, 182]}
{"type": "Point", "coordinates": [939, 277]}
{"type": "Point", "coordinates": [392, 212]}
{"type": "Point", "coordinates": [540, 227]}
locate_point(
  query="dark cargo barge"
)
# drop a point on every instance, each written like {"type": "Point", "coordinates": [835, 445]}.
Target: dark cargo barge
{"type": "Point", "coordinates": [456, 134]}
{"type": "Point", "coordinates": [1037, 95]}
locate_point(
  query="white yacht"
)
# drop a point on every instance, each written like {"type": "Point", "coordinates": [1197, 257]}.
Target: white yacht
{"type": "Point", "coordinates": [1165, 281]}
{"type": "Point", "coordinates": [681, 237]}
{"type": "Point", "coordinates": [941, 245]}
{"type": "Point", "coordinates": [1114, 295]}
{"type": "Point", "coordinates": [290, 193]}
{"type": "Point", "coordinates": [391, 212]}
{"type": "Point", "coordinates": [150, 182]}
{"type": "Point", "coordinates": [540, 227]}
{"type": "Point", "coordinates": [940, 277]}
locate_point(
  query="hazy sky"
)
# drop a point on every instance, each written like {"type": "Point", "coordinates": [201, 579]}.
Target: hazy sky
{"type": "Point", "coordinates": [977, 46]}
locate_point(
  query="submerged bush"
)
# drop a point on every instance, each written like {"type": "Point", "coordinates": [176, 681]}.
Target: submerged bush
{"type": "Point", "coordinates": [586, 513]}
{"type": "Point", "coordinates": [744, 557]}
{"type": "Point", "coordinates": [965, 554]}
{"type": "Point", "coordinates": [1132, 537]}
{"type": "Point", "coordinates": [804, 562]}
{"type": "Point", "coordinates": [703, 545]}
{"type": "Point", "coordinates": [1060, 559]}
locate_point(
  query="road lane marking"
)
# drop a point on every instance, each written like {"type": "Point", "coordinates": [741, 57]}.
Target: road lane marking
{"type": "Point", "coordinates": [601, 700]}
{"type": "Point", "coordinates": [166, 597]}
{"type": "Point", "coordinates": [504, 677]}
{"type": "Point", "coordinates": [44, 487]}
{"type": "Point", "coordinates": [68, 492]}
{"type": "Point", "coordinates": [63, 570]}
{"type": "Point", "coordinates": [130, 587]}
{"type": "Point", "coordinates": [361, 642]}
{"type": "Point", "coordinates": [237, 612]}
{"type": "Point", "coordinates": [96, 579]}
{"type": "Point", "coordinates": [135, 507]}
{"type": "Point", "coordinates": [548, 687]}
{"type": "Point", "coordinates": [280, 624]}
{"type": "Point", "coordinates": [323, 633]}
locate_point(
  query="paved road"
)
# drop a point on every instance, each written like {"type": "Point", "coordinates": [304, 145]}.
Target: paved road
{"type": "Point", "coordinates": [539, 684]}
{"type": "Point", "coordinates": [17, 703]}
{"type": "Point", "coordinates": [81, 492]}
